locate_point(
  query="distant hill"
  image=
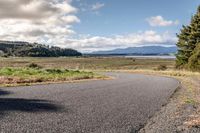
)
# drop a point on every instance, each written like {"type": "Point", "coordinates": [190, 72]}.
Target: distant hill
{"type": "Point", "coordinates": [146, 50]}
{"type": "Point", "coordinates": [22, 49]}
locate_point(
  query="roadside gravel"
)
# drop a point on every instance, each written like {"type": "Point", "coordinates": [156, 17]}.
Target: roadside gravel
{"type": "Point", "coordinates": [178, 116]}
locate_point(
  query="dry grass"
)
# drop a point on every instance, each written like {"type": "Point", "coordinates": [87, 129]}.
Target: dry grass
{"type": "Point", "coordinates": [194, 121]}
{"type": "Point", "coordinates": [89, 63]}
{"type": "Point", "coordinates": [169, 72]}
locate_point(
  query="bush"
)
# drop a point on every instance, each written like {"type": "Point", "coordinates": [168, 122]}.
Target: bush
{"type": "Point", "coordinates": [34, 66]}
{"type": "Point", "coordinates": [162, 68]}
{"type": "Point", "coordinates": [54, 71]}
{"type": "Point", "coordinates": [5, 56]}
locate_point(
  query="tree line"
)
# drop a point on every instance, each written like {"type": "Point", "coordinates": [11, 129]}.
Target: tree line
{"type": "Point", "coordinates": [25, 49]}
{"type": "Point", "coordinates": [188, 56]}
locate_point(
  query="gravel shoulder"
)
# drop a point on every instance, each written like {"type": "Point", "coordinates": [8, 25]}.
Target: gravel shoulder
{"type": "Point", "coordinates": [182, 113]}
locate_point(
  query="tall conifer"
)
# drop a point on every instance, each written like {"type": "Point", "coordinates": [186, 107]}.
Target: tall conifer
{"type": "Point", "coordinates": [188, 39]}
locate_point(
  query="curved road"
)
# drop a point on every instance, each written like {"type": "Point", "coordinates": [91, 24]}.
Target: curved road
{"type": "Point", "coordinates": [122, 105]}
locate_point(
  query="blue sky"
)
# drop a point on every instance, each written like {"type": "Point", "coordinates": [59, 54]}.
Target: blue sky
{"type": "Point", "coordinates": [93, 25]}
{"type": "Point", "coordinates": [124, 17]}
{"type": "Point", "coordinates": [127, 16]}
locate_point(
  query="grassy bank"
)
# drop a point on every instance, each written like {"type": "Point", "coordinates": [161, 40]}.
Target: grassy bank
{"type": "Point", "coordinates": [24, 76]}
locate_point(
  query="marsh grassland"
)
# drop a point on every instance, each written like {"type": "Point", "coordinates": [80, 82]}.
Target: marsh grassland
{"type": "Point", "coordinates": [89, 63]}
{"type": "Point", "coordinates": [26, 70]}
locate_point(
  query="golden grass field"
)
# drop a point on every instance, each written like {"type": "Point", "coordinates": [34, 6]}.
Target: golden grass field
{"type": "Point", "coordinates": [89, 63]}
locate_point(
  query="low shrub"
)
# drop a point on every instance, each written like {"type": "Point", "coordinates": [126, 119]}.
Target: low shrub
{"type": "Point", "coordinates": [54, 71]}
{"type": "Point", "coordinates": [161, 68]}
{"type": "Point", "coordinates": [34, 66]}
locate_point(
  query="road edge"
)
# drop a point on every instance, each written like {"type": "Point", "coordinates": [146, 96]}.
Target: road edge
{"type": "Point", "coordinates": [177, 115]}
{"type": "Point", "coordinates": [170, 98]}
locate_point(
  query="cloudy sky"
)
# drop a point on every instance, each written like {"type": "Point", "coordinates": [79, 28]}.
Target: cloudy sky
{"type": "Point", "coordinates": [93, 25]}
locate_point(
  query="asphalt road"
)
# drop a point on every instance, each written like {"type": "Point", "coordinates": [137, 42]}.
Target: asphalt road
{"type": "Point", "coordinates": [122, 105]}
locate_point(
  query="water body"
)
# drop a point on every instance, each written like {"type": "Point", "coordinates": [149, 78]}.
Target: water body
{"type": "Point", "coordinates": [152, 57]}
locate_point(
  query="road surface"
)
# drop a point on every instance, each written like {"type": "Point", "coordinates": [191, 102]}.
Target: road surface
{"type": "Point", "coordinates": [121, 105]}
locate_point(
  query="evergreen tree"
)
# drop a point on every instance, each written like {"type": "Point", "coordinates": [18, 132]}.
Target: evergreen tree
{"type": "Point", "coordinates": [194, 60]}
{"type": "Point", "coordinates": [183, 47]}
{"type": "Point", "coordinates": [188, 39]}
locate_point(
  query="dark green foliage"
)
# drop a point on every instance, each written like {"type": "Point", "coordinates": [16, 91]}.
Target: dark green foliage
{"type": "Point", "coordinates": [188, 39]}
{"type": "Point", "coordinates": [183, 47]}
{"type": "Point", "coordinates": [194, 60]}
{"type": "Point", "coordinates": [23, 49]}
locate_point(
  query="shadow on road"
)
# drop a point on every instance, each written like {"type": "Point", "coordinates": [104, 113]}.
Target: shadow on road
{"type": "Point", "coordinates": [4, 92]}
{"type": "Point", "coordinates": [25, 105]}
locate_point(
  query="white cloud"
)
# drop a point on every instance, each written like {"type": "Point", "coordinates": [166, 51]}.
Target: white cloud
{"type": "Point", "coordinates": [96, 43]}
{"type": "Point", "coordinates": [36, 20]}
{"type": "Point", "coordinates": [33, 9]}
{"type": "Point", "coordinates": [160, 21]}
{"type": "Point", "coordinates": [50, 22]}
{"type": "Point", "coordinates": [97, 6]}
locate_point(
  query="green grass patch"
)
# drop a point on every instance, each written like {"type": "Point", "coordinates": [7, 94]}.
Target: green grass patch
{"type": "Point", "coordinates": [35, 75]}
{"type": "Point", "coordinates": [190, 101]}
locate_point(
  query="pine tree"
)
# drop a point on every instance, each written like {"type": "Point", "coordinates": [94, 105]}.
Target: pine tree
{"type": "Point", "coordinates": [183, 46]}
{"type": "Point", "coordinates": [188, 39]}
{"type": "Point", "coordinates": [194, 60]}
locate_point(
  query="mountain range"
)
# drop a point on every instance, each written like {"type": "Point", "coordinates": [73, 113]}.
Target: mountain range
{"type": "Point", "coordinates": [145, 50]}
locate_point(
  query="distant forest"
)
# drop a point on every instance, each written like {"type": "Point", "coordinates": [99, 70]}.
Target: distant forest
{"type": "Point", "coordinates": [25, 49]}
